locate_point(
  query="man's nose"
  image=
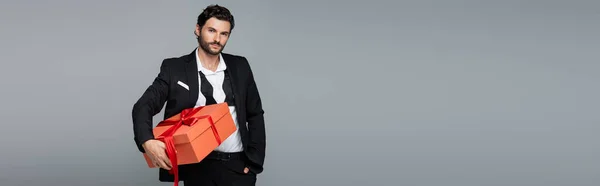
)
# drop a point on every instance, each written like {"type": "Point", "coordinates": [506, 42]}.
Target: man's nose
{"type": "Point", "coordinates": [217, 39]}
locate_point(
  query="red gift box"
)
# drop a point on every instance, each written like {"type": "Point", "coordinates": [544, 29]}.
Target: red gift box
{"type": "Point", "coordinates": [193, 133]}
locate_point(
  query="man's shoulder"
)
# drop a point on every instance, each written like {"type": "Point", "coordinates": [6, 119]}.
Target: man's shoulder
{"type": "Point", "coordinates": [234, 57]}
{"type": "Point", "coordinates": [175, 60]}
{"type": "Point", "coordinates": [238, 60]}
{"type": "Point", "coordinates": [178, 59]}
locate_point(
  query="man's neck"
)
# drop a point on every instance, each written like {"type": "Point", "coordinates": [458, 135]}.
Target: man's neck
{"type": "Point", "coordinates": [207, 60]}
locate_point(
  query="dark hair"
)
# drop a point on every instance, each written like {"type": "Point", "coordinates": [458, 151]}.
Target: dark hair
{"type": "Point", "coordinates": [218, 12]}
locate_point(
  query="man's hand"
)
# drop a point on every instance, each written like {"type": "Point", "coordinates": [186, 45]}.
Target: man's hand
{"type": "Point", "coordinates": [246, 170]}
{"type": "Point", "coordinates": [155, 150]}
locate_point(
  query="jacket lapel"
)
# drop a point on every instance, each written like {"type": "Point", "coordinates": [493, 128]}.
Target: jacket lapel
{"type": "Point", "coordinates": [191, 71]}
{"type": "Point", "coordinates": [233, 73]}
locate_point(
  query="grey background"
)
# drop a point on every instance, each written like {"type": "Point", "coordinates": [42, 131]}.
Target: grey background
{"type": "Point", "coordinates": [420, 93]}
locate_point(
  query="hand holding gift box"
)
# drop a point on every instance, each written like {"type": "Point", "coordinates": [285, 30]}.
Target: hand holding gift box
{"type": "Point", "coordinates": [192, 134]}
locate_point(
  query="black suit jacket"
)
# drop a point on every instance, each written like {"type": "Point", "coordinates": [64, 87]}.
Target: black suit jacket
{"type": "Point", "coordinates": [164, 88]}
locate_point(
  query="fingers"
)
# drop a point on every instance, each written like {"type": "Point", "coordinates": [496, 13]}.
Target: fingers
{"type": "Point", "coordinates": [161, 160]}
{"type": "Point", "coordinates": [155, 160]}
{"type": "Point", "coordinates": [159, 156]}
{"type": "Point", "coordinates": [166, 161]}
{"type": "Point", "coordinates": [156, 164]}
{"type": "Point", "coordinates": [163, 165]}
{"type": "Point", "coordinates": [163, 156]}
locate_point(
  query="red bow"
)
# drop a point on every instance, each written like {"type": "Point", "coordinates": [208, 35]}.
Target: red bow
{"type": "Point", "coordinates": [167, 136]}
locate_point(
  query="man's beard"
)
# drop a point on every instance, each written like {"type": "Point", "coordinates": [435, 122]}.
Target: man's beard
{"type": "Point", "coordinates": [206, 46]}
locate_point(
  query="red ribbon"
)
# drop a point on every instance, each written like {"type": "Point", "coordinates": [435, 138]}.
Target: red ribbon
{"type": "Point", "coordinates": [167, 136]}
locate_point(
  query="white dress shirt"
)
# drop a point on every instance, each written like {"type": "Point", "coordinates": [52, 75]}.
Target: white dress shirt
{"type": "Point", "coordinates": [233, 143]}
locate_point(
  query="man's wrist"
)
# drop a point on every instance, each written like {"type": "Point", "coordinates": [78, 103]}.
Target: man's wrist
{"type": "Point", "coordinates": [144, 143]}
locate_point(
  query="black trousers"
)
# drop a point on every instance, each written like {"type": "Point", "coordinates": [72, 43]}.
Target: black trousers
{"type": "Point", "coordinates": [220, 169]}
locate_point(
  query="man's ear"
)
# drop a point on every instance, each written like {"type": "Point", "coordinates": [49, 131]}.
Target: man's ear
{"type": "Point", "coordinates": [197, 30]}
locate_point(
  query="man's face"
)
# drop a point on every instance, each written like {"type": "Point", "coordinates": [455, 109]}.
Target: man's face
{"type": "Point", "coordinates": [213, 35]}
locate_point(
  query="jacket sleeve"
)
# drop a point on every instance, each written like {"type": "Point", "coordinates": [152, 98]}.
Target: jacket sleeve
{"type": "Point", "coordinates": [256, 124]}
{"type": "Point", "coordinates": [148, 105]}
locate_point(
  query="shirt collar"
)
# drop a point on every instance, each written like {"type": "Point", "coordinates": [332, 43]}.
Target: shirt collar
{"type": "Point", "coordinates": [221, 66]}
